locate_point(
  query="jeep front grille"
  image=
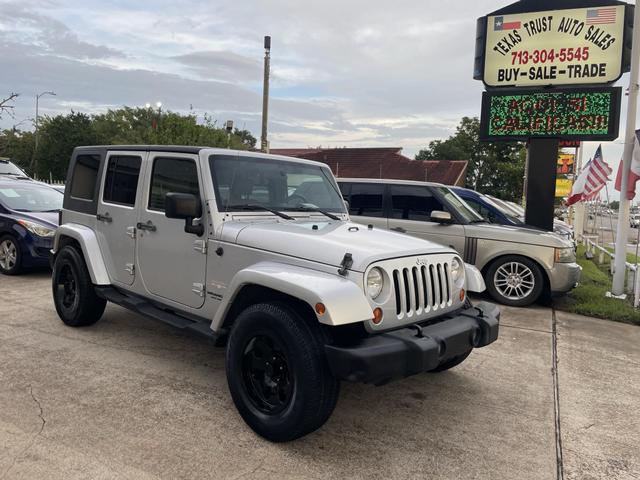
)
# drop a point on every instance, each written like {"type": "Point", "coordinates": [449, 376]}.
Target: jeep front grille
{"type": "Point", "coordinates": [420, 289]}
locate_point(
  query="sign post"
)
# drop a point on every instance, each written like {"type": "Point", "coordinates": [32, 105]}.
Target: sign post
{"type": "Point", "coordinates": [629, 142]}
{"type": "Point", "coordinates": [547, 70]}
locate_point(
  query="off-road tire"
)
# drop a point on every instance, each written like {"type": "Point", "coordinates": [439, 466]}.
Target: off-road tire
{"type": "Point", "coordinates": [527, 300]}
{"type": "Point", "coordinates": [301, 341]}
{"type": "Point", "coordinates": [17, 267]}
{"type": "Point", "coordinates": [86, 308]}
{"type": "Point", "coordinates": [454, 362]}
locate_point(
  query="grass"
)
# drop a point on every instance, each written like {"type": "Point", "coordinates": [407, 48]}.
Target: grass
{"type": "Point", "coordinates": [589, 297]}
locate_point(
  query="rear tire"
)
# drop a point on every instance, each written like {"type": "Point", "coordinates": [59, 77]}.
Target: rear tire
{"type": "Point", "coordinates": [10, 256]}
{"type": "Point", "coordinates": [277, 372]}
{"type": "Point", "coordinates": [73, 293]}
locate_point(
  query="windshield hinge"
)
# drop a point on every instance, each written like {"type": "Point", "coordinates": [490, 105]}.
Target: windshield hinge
{"type": "Point", "coordinates": [347, 262]}
{"type": "Point", "coordinates": [200, 246]}
{"type": "Point", "coordinates": [130, 268]}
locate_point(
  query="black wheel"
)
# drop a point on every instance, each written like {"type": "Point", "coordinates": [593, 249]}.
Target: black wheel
{"type": "Point", "coordinates": [10, 256]}
{"type": "Point", "coordinates": [514, 281]}
{"type": "Point", "coordinates": [73, 293]}
{"type": "Point", "coordinates": [454, 362]}
{"type": "Point", "coordinates": [278, 374]}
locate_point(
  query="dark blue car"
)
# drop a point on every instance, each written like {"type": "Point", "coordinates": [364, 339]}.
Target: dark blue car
{"type": "Point", "coordinates": [28, 221]}
{"type": "Point", "coordinates": [497, 211]}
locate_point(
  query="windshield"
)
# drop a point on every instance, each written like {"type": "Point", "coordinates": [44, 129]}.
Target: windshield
{"type": "Point", "coordinates": [503, 207]}
{"type": "Point", "coordinates": [8, 168]}
{"type": "Point", "coordinates": [465, 211]}
{"type": "Point", "coordinates": [256, 184]}
{"type": "Point", "coordinates": [31, 198]}
{"type": "Point", "coordinates": [517, 208]}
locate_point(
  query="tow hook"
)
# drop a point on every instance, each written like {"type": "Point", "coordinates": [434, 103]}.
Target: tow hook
{"type": "Point", "coordinates": [418, 330]}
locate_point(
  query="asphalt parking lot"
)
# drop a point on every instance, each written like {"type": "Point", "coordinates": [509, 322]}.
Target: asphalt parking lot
{"type": "Point", "coordinates": [131, 398]}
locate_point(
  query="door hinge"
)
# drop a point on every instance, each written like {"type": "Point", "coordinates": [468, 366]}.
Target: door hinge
{"type": "Point", "coordinates": [198, 289]}
{"type": "Point", "coordinates": [131, 231]}
{"type": "Point", "coordinates": [200, 246]}
{"type": "Point", "coordinates": [131, 268]}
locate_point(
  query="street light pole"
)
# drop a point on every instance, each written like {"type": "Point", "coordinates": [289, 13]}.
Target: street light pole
{"type": "Point", "coordinates": [34, 160]}
{"type": "Point", "coordinates": [264, 142]}
{"type": "Point", "coordinates": [629, 142]}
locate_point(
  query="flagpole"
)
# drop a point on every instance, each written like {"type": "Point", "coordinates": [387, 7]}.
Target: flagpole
{"type": "Point", "coordinates": [629, 142]}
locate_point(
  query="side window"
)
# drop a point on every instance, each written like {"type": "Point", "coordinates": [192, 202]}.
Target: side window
{"type": "Point", "coordinates": [85, 176]}
{"type": "Point", "coordinates": [178, 175]}
{"type": "Point", "coordinates": [413, 203]}
{"type": "Point", "coordinates": [483, 211]}
{"type": "Point", "coordinates": [366, 200]}
{"type": "Point", "coordinates": [121, 180]}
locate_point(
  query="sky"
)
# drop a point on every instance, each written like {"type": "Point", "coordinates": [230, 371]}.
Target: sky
{"type": "Point", "coordinates": [344, 73]}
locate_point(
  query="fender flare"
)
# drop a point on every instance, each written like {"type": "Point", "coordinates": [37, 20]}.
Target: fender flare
{"type": "Point", "coordinates": [475, 281]}
{"type": "Point", "coordinates": [345, 302]}
{"type": "Point", "coordinates": [88, 241]}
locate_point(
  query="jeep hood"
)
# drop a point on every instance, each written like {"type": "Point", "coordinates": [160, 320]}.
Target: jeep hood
{"type": "Point", "coordinates": [327, 242]}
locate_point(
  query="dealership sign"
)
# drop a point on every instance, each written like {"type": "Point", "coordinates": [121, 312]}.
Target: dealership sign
{"type": "Point", "coordinates": [563, 187]}
{"type": "Point", "coordinates": [584, 114]}
{"type": "Point", "coordinates": [557, 47]}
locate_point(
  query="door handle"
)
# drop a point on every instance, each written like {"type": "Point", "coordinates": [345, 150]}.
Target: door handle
{"type": "Point", "coordinates": [399, 229]}
{"type": "Point", "coordinates": [149, 226]}
{"type": "Point", "coordinates": [104, 218]}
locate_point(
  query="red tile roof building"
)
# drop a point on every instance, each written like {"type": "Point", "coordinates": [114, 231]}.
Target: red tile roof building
{"type": "Point", "coordinates": [381, 163]}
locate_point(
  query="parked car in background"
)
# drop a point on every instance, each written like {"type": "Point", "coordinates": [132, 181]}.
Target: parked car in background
{"type": "Point", "coordinates": [634, 220]}
{"type": "Point", "coordinates": [28, 220]}
{"type": "Point", "coordinates": [518, 264]}
{"type": "Point", "coordinates": [10, 169]}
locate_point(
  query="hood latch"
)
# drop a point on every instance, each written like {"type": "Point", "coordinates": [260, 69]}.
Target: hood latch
{"type": "Point", "coordinates": [347, 262]}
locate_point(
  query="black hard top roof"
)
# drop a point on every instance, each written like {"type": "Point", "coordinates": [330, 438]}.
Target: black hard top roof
{"type": "Point", "coordinates": [143, 148]}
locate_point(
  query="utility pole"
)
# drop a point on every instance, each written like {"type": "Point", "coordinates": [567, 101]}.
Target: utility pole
{"type": "Point", "coordinates": [264, 142]}
{"type": "Point", "coordinates": [229, 128]}
{"type": "Point", "coordinates": [629, 142]}
{"type": "Point", "coordinates": [34, 160]}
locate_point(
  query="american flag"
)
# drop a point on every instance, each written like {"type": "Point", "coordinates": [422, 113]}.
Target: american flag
{"type": "Point", "coordinates": [593, 178]}
{"type": "Point", "coordinates": [599, 16]}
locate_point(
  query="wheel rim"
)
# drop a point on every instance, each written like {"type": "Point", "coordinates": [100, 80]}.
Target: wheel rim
{"type": "Point", "coordinates": [266, 375]}
{"type": "Point", "coordinates": [8, 255]}
{"type": "Point", "coordinates": [67, 287]}
{"type": "Point", "coordinates": [514, 281]}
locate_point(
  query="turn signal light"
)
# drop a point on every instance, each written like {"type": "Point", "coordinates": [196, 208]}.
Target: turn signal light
{"type": "Point", "coordinates": [320, 309]}
{"type": "Point", "coordinates": [377, 316]}
{"type": "Point", "coordinates": [462, 294]}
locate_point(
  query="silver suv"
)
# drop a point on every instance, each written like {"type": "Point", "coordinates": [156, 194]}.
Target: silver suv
{"type": "Point", "coordinates": [518, 264]}
{"type": "Point", "coordinates": [257, 252]}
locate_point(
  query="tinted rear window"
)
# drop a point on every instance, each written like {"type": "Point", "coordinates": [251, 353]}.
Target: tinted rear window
{"type": "Point", "coordinates": [85, 176]}
{"type": "Point", "coordinates": [121, 180]}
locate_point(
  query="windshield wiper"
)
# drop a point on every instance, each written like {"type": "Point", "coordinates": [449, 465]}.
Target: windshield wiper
{"type": "Point", "coordinates": [317, 210]}
{"type": "Point", "coordinates": [250, 206]}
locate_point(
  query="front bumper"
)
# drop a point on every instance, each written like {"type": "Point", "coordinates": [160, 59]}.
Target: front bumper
{"type": "Point", "coordinates": [381, 358]}
{"type": "Point", "coordinates": [564, 277]}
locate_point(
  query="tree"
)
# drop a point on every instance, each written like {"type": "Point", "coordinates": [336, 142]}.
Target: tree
{"type": "Point", "coordinates": [6, 104]}
{"type": "Point", "coordinates": [494, 168]}
{"type": "Point", "coordinates": [59, 135]}
{"type": "Point", "coordinates": [615, 205]}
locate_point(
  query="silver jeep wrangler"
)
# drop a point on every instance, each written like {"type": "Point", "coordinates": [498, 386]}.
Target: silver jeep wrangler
{"type": "Point", "coordinates": [258, 253]}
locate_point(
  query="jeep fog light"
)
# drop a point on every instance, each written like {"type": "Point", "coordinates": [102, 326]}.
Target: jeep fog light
{"type": "Point", "coordinates": [375, 282]}
{"type": "Point", "coordinates": [457, 273]}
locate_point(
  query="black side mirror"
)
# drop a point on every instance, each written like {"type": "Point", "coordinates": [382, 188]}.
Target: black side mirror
{"type": "Point", "coordinates": [184, 206]}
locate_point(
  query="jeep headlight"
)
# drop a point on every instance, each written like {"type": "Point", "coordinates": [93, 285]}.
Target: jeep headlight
{"type": "Point", "coordinates": [565, 255]}
{"type": "Point", "coordinates": [457, 273]}
{"type": "Point", "coordinates": [37, 229]}
{"type": "Point", "coordinates": [375, 282]}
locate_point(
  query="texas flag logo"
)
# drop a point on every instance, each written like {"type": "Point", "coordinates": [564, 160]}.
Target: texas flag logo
{"type": "Point", "coordinates": [499, 24]}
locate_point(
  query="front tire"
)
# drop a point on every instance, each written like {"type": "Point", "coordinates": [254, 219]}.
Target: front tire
{"type": "Point", "coordinates": [515, 281]}
{"type": "Point", "coordinates": [277, 372]}
{"type": "Point", "coordinates": [74, 295]}
{"type": "Point", "coordinates": [10, 256]}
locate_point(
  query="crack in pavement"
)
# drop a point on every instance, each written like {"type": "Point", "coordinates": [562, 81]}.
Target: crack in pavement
{"type": "Point", "coordinates": [556, 395]}
{"type": "Point", "coordinates": [33, 439]}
